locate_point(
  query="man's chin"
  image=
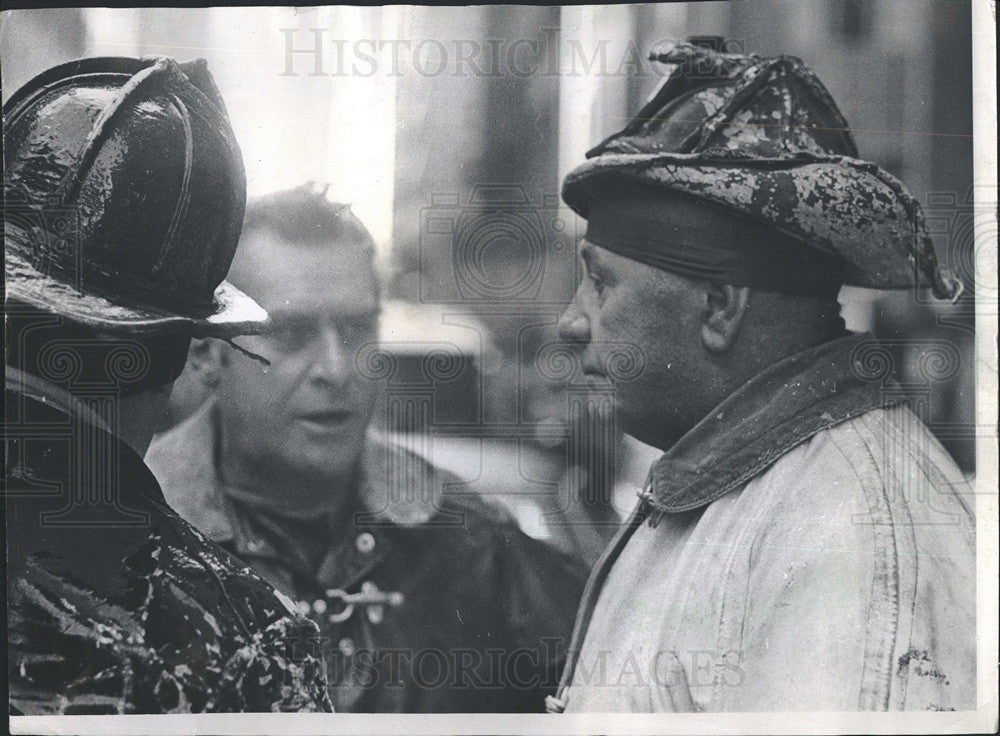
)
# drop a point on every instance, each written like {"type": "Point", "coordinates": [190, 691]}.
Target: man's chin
{"type": "Point", "coordinates": [324, 456]}
{"type": "Point", "coordinates": [602, 398]}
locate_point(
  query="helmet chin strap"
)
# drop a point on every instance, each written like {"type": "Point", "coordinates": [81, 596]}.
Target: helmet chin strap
{"type": "Point", "coordinates": [253, 356]}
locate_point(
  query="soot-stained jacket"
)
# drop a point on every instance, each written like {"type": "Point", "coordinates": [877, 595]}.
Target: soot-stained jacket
{"type": "Point", "coordinates": [809, 545]}
{"type": "Point", "coordinates": [428, 598]}
{"type": "Point", "coordinates": [115, 603]}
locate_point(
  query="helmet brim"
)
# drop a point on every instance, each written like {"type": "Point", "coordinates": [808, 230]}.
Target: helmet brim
{"type": "Point", "coordinates": [846, 207]}
{"type": "Point", "coordinates": [233, 312]}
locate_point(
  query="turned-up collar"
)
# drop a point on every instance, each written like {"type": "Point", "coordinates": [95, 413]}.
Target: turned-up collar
{"type": "Point", "coordinates": [184, 459]}
{"type": "Point", "coordinates": [769, 415]}
{"type": "Point", "coordinates": [48, 393]}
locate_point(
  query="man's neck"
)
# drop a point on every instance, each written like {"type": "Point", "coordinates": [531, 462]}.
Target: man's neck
{"type": "Point", "coordinates": [283, 490]}
{"type": "Point", "coordinates": [725, 379]}
{"type": "Point", "coordinates": [127, 417]}
{"type": "Point", "coordinates": [46, 391]}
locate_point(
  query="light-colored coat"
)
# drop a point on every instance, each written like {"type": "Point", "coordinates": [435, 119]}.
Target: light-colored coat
{"type": "Point", "coordinates": [840, 576]}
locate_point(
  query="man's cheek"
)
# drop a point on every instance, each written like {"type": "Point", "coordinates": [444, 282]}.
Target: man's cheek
{"type": "Point", "coordinates": [249, 390]}
{"type": "Point", "coordinates": [369, 397]}
{"type": "Point", "coordinates": [613, 322]}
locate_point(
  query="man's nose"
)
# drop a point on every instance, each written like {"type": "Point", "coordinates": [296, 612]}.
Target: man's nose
{"type": "Point", "coordinates": [574, 326]}
{"type": "Point", "coordinates": [330, 359]}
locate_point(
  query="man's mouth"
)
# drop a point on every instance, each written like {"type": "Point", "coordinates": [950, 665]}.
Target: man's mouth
{"type": "Point", "coordinates": [326, 417]}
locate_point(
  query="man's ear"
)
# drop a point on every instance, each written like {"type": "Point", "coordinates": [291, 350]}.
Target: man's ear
{"type": "Point", "coordinates": [725, 307]}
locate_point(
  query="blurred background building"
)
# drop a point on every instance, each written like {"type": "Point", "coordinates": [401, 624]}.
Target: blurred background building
{"type": "Point", "coordinates": [450, 128]}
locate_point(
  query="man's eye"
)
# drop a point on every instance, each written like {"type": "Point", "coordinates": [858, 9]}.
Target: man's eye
{"type": "Point", "coordinates": [292, 335]}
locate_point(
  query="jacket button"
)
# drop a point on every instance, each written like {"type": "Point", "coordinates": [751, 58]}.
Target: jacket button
{"type": "Point", "coordinates": [346, 646]}
{"type": "Point", "coordinates": [365, 542]}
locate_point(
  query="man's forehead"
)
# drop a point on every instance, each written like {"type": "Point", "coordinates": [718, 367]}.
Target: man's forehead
{"type": "Point", "coordinates": [626, 270]}
{"type": "Point", "coordinates": [337, 298]}
{"type": "Point", "coordinates": [273, 269]}
{"type": "Point", "coordinates": [594, 255]}
{"type": "Point", "coordinates": [349, 308]}
{"type": "Point", "coordinates": [261, 245]}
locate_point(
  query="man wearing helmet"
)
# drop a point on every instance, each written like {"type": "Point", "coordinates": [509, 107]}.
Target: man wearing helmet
{"type": "Point", "coordinates": [123, 200]}
{"type": "Point", "coordinates": [804, 542]}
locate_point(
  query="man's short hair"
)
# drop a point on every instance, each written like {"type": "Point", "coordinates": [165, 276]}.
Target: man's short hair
{"type": "Point", "coordinates": [305, 216]}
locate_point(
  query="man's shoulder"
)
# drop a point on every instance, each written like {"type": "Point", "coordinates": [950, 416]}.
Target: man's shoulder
{"type": "Point", "coordinates": [183, 461]}
{"type": "Point", "coordinates": [877, 450]}
{"type": "Point", "coordinates": [140, 611]}
{"type": "Point", "coordinates": [429, 494]}
{"type": "Point", "coordinates": [858, 534]}
{"type": "Point", "coordinates": [60, 509]}
{"type": "Point", "coordinates": [880, 475]}
{"type": "Point", "coordinates": [461, 510]}
{"type": "Point", "coordinates": [184, 452]}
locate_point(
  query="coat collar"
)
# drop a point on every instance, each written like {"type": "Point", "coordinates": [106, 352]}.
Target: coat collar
{"type": "Point", "coordinates": [48, 393]}
{"type": "Point", "coordinates": [771, 414]}
{"type": "Point", "coordinates": [184, 460]}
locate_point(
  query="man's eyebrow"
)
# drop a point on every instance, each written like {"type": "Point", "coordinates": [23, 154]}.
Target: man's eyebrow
{"type": "Point", "coordinates": [282, 313]}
